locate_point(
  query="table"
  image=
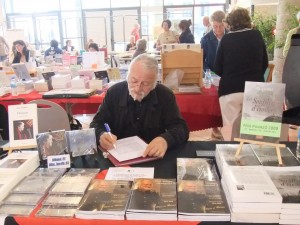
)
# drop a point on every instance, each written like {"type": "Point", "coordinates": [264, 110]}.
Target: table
{"type": "Point", "coordinates": [164, 168]}
{"type": "Point", "coordinates": [201, 111]}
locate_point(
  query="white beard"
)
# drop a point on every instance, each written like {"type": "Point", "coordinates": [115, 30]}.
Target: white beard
{"type": "Point", "coordinates": [136, 96]}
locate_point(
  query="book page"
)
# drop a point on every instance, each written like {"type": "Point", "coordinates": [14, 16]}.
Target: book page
{"type": "Point", "coordinates": [128, 148]}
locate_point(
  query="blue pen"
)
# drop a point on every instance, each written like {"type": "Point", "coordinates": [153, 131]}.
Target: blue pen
{"type": "Point", "coordinates": [107, 128]}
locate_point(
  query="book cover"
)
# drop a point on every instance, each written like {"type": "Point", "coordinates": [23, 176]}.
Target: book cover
{"type": "Point", "coordinates": [16, 210]}
{"type": "Point", "coordinates": [52, 143]}
{"type": "Point", "coordinates": [23, 199]}
{"type": "Point", "coordinates": [63, 200]}
{"type": "Point", "coordinates": [56, 211]}
{"type": "Point", "coordinates": [196, 169]}
{"type": "Point", "coordinates": [250, 184]}
{"type": "Point", "coordinates": [34, 184]}
{"type": "Point", "coordinates": [82, 142]}
{"type": "Point", "coordinates": [288, 185]}
{"type": "Point", "coordinates": [201, 197]}
{"type": "Point", "coordinates": [23, 125]}
{"type": "Point", "coordinates": [153, 195]}
{"type": "Point", "coordinates": [107, 197]}
{"type": "Point", "coordinates": [268, 157]}
{"type": "Point", "coordinates": [262, 111]}
{"type": "Point", "coordinates": [225, 156]}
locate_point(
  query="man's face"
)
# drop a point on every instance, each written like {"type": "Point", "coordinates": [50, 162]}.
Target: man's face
{"type": "Point", "coordinates": [218, 28]}
{"type": "Point", "coordinates": [205, 21]}
{"type": "Point", "coordinates": [146, 185]}
{"type": "Point", "coordinates": [21, 127]}
{"type": "Point", "coordinates": [140, 81]}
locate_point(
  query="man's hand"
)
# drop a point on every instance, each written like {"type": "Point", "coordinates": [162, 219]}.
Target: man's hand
{"type": "Point", "coordinates": [107, 142]}
{"type": "Point", "coordinates": [156, 148]}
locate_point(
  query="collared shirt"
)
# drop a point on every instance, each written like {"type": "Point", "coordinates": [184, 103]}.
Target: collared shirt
{"type": "Point", "coordinates": [156, 115]}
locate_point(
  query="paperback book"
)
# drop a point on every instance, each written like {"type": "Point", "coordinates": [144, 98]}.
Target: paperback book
{"type": "Point", "coordinates": [82, 142]}
{"type": "Point", "coordinates": [196, 169]}
{"type": "Point", "coordinates": [56, 211]}
{"type": "Point", "coordinates": [52, 143]}
{"type": "Point", "coordinates": [201, 200]}
{"type": "Point", "coordinates": [262, 111]}
{"type": "Point", "coordinates": [104, 200]}
{"type": "Point", "coordinates": [23, 125]}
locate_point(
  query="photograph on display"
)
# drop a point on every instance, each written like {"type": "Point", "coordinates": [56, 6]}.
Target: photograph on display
{"type": "Point", "coordinates": [23, 125]}
{"type": "Point", "coordinates": [82, 142]}
{"type": "Point", "coordinates": [52, 143]}
{"type": "Point", "coordinates": [262, 111]}
{"type": "Point", "coordinates": [23, 129]}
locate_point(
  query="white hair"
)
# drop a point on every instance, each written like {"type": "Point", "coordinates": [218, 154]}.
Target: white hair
{"type": "Point", "coordinates": [149, 64]}
{"type": "Point", "coordinates": [298, 16]}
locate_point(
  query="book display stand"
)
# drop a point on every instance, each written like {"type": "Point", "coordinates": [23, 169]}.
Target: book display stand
{"type": "Point", "coordinates": [276, 145]}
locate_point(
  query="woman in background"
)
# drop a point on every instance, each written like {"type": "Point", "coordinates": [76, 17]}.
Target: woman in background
{"type": "Point", "coordinates": [132, 44]}
{"type": "Point", "coordinates": [241, 57]}
{"type": "Point", "coordinates": [186, 36]}
{"type": "Point", "coordinates": [21, 53]}
{"type": "Point", "coordinates": [68, 47]}
{"type": "Point", "coordinates": [93, 47]}
{"type": "Point", "coordinates": [4, 49]}
{"type": "Point", "coordinates": [168, 36]}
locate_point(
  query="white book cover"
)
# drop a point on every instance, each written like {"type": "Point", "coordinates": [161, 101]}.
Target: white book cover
{"type": "Point", "coordinates": [250, 184]}
{"type": "Point", "coordinates": [23, 125]}
{"type": "Point", "coordinates": [262, 111]}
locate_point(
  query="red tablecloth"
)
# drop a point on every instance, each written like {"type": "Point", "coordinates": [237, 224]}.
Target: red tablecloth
{"type": "Point", "coordinates": [201, 111]}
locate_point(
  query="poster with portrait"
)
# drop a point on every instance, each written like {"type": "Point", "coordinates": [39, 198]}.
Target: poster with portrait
{"type": "Point", "coordinates": [262, 111]}
{"type": "Point", "coordinates": [23, 125]}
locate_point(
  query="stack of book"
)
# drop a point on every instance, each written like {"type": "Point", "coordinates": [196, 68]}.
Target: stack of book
{"type": "Point", "coordinates": [251, 194]}
{"type": "Point", "coordinates": [287, 183]}
{"type": "Point", "coordinates": [225, 156]}
{"type": "Point", "coordinates": [29, 192]}
{"type": "Point", "coordinates": [105, 199]}
{"type": "Point", "coordinates": [153, 199]}
{"type": "Point", "coordinates": [14, 168]}
{"type": "Point", "coordinates": [66, 193]}
{"type": "Point", "coordinates": [200, 195]}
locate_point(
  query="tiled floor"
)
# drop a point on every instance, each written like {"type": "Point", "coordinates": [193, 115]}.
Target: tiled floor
{"type": "Point", "coordinates": [201, 135]}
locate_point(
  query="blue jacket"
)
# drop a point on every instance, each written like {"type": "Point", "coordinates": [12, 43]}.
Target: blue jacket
{"type": "Point", "coordinates": [209, 44]}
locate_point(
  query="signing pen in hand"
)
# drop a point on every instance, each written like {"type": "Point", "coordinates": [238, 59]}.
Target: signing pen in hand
{"type": "Point", "coordinates": [107, 128]}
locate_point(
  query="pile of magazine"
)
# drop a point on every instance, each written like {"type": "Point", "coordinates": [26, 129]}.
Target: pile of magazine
{"type": "Point", "coordinates": [66, 194]}
{"type": "Point", "coordinates": [14, 168]}
{"type": "Point", "coordinates": [200, 195]}
{"type": "Point", "coordinates": [152, 199]}
{"type": "Point", "coordinates": [105, 199]}
{"type": "Point", "coordinates": [29, 192]}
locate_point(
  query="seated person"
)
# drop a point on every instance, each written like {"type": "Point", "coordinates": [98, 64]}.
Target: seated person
{"type": "Point", "coordinates": [68, 47]}
{"type": "Point", "coordinates": [132, 44]}
{"type": "Point", "coordinates": [141, 46]}
{"type": "Point", "coordinates": [21, 53]}
{"type": "Point", "coordinates": [53, 50]}
{"type": "Point", "coordinates": [140, 106]}
{"type": "Point", "coordinates": [93, 47]}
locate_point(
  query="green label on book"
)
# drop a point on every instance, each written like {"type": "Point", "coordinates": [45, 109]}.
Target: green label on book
{"type": "Point", "coordinates": [263, 128]}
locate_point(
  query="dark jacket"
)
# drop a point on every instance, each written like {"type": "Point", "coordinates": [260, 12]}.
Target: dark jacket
{"type": "Point", "coordinates": [156, 115]}
{"type": "Point", "coordinates": [53, 51]}
{"type": "Point", "coordinates": [241, 57]}
{"type": "Point", "coordinates": [186, 37]}
{"type": "Point", "coordinates": [209, 44]}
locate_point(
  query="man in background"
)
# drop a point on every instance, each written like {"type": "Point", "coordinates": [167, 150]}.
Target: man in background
{"type": "Point", "coordinates": [206, 24]}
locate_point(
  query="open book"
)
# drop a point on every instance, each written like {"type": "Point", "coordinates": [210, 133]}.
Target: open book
{"type": "Point", "coordinates": [129, 151]}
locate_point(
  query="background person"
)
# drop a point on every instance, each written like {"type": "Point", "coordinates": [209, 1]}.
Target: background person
{"type": "Point", "coordinates": [4, 49]}
{"type": "Point", "coordinates": [136, 32]}
{"type": "Point", "coordinates": [93, 47]}
{"type": "Point", "coordinates": [132, 43]}
{"type": "Point", "coordinates": [21, 53]}
{"type": "Point", "coordinates": [139, 106]}
{"type": "Point", "coordinates": [241, 57]}
{"type": "Point", "coordinates": [53, 50]}
{"type": "Point", "coordinates": [68, 47]}
{"type": "Point", "coordinates": [186, 36]}
{"type": "Point", "coordinates": [168, 36]}
{"type": "Point", "coordinates": [289, 36]}
{"type": "Point", "coordinates": [206, 24]}
{"type": "Point", "coordinates": [141, 46]}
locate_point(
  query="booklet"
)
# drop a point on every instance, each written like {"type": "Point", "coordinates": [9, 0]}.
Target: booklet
{"type": "Point", "coordinates": [129, 151]}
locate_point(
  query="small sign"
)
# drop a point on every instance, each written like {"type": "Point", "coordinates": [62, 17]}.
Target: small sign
{"type": "Point", "coordinates": [59, 161]}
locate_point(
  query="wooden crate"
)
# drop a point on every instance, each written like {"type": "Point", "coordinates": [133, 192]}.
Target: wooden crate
{"type": "Point", "coordinates": [190, 61]}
